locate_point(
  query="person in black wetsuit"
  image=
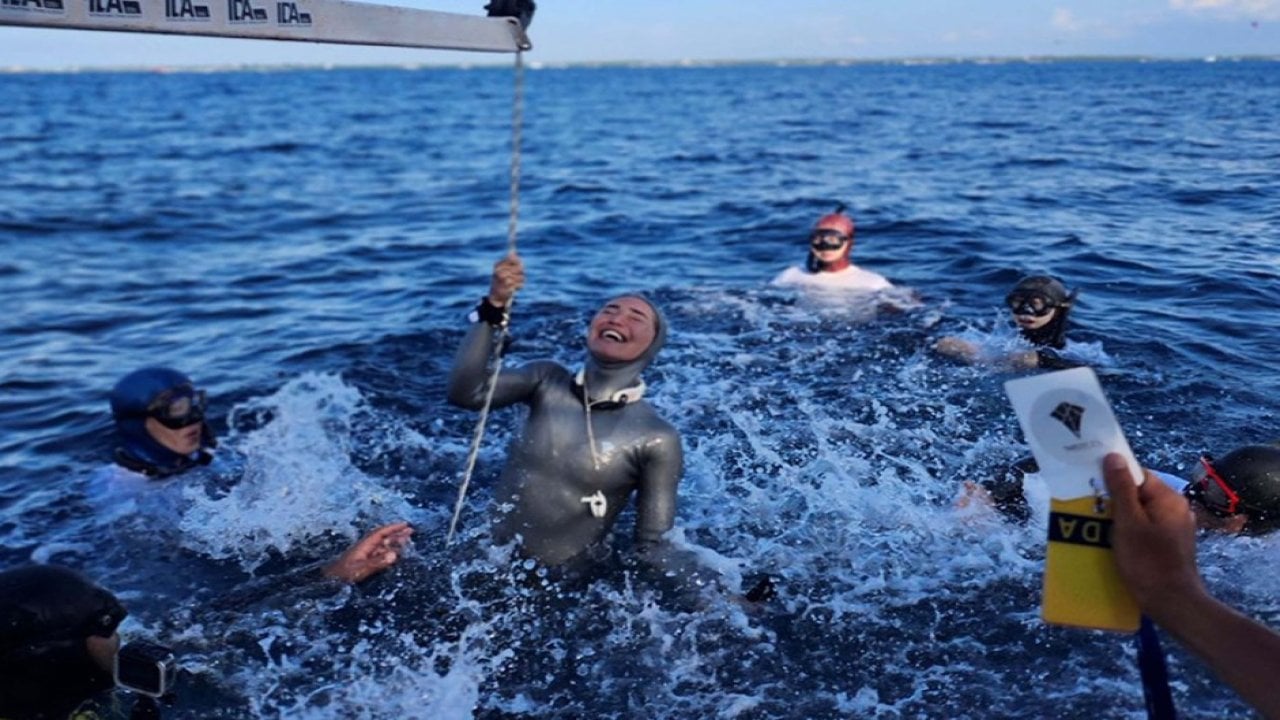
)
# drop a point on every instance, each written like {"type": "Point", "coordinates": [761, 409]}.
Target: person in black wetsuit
{"type": "Point", "coordinates": [590, 443]}
{"type": "Point", "coordinates": [1238, 494]}
{"type": "Point", "coordinates": [1041, 306]}
{"type": "Point", "coordinates": [57, 641]}
{"type": "Point", "coordinates": [1153, 541]}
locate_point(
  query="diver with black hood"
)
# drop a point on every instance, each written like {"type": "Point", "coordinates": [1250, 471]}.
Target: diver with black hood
{"type": "Point", "coordinates": [590, 440]}
{"type": "Point", "coordinates": [58, 641]}
{"type": "Point", "coordinates": [1040, 305]}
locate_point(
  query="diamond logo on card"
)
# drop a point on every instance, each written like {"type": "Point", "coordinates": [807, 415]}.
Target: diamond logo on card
{"type": "Point", "coordinates": [1071, 426]}
{"type": "Point", "coordinates": [1069, 415]}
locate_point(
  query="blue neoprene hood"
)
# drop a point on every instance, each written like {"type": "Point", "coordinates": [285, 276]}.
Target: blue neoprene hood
{"type": "Point", "coordinates": [129, 401]}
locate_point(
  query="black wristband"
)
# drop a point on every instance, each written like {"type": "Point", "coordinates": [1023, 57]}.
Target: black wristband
{"type": "Point", "coordinates": [490, 313]}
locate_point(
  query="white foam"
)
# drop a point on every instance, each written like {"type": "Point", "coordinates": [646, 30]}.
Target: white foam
{"type": "Point", "coordinates": [298, 481]}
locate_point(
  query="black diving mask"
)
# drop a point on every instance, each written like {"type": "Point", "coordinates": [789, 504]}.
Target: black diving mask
{"type": "Point", "coordinates": [1036, 304]}
{"type": "Point", "coordinates": [827, 239]}
{"type": "Point", "coordinates": [178, 407]}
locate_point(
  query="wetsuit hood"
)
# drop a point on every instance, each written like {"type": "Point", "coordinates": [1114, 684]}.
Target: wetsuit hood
{"type": "Point", "coordinates": [139, 451]}
{"type": "Point", "coordinates": [1253, 472]}
{"type": "Point", "coordinates": [41, 603]}
{"type": "Point", "coordinates": [1054, 333]}
{"type": "Point", "coordinates": [606, 378]}
{"type": "Point", "coordinates": [46, 614]}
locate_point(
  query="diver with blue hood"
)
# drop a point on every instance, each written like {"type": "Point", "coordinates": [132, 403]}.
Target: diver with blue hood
{"type": "Point", "coordinates": [160, 416]}
{"type": "Point", "coordinates": [590, 442]}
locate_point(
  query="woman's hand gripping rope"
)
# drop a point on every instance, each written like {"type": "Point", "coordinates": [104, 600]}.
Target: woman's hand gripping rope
{"type": "Point", "coordinates": [508, 277]}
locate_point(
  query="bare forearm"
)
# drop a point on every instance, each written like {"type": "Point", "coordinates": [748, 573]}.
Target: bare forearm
{"type": "Point", "coordinates": [1243, 652]}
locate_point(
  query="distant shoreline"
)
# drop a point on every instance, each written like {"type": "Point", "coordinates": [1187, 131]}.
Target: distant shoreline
{"type": "Point", "coordinates": [537, 65]}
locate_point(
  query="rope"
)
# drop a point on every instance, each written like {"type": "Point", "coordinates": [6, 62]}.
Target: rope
{"type": "Point", "coordinates": [1154, 673]}
{"type": "Point", "coordinates": [495, 359]}
{"type": "Point", "coordinates": [591, 436]}
{"type": "Point", "coordinates": [517, 121]}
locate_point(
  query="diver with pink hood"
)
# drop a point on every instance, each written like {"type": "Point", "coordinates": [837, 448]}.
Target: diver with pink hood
{"type": "Point", "coordinates": [590, 442]}
{"type": "Point", "coordinates": [827, 264]}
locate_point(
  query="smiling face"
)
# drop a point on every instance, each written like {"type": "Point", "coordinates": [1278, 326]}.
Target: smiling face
{"type": "Point", "coordinates": [622, 331]}
{"type": "Point", "coordinates": [184, 440]}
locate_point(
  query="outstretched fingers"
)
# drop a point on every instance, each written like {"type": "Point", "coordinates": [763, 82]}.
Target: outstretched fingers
{"type": "Point", "coordinates": [373, 553]}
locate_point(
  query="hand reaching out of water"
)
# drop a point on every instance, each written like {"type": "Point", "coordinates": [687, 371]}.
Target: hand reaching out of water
{"type": "Point", "coordinates": [973, 494]}
{"type": "Point", "coordinates": [374, 553]}
{"type": "Point", "coordinates": [967, 352]}
{"type": "Point", "coordinates": [1025, 360]}
{"type": "Point", "coordinates": [508, 277]}
{"type": "Point", "coordinates": [954, 347]}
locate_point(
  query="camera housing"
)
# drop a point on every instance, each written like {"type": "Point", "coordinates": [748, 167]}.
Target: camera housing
{"type": "Point", "coordinates": [146, 668]}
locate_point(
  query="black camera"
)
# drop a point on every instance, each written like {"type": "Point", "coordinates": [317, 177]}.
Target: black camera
{"type": "Point", "coordinates": [146, 668]}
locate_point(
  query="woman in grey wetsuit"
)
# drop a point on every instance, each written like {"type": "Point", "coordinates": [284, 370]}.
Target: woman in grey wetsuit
{"type": "Point", "coordinates": [590, 440]}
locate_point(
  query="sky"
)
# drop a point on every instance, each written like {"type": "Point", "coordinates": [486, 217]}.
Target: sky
{"type": "Point", "coordinates": [565, 31]}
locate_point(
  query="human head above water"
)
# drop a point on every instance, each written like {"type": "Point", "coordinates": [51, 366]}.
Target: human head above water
{"type": "Point", "coordinates": [626, 329]}
{"type": "Point", "coordinates": [57, 637]}
{"type": "Point", "coordinates": [622, 339]}
{"type": "Point", "coordinates": [1040, 305]}
{"type": "Point", "coordinates": [831, 242]}
{"type": "Point", "coordinates": [159, 414]}
{"type": "Point", "coordinates": [1240, 492]}
{"type": "Point", "coordinates": [41, 604]}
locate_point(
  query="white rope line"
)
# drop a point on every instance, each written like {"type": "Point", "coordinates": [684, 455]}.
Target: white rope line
{"type": "Point", "coordinates": [478, 435]}
{"type": "Point", "coordinates": [517, 121]}
{"type": "Point", "coordinates": [495, 358]}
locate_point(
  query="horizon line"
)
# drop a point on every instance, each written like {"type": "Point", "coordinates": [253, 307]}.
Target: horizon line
{"type": "Point", "coordinates": [682, 63]}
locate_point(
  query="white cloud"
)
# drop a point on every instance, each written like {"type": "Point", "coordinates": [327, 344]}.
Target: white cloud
{"type": "Point", "coordinates": [1064, 19]}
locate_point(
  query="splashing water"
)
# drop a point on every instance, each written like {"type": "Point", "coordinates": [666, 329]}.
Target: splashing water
{"type": "Point", "coordinates": [298, 480]}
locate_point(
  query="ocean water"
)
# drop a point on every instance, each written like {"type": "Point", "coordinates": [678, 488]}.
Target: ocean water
{"type": "Point", "coordinates": [307, 243]}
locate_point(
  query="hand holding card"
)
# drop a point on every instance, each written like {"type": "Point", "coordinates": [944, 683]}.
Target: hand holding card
{"type": "Point", "coordinates": [1070, 427]}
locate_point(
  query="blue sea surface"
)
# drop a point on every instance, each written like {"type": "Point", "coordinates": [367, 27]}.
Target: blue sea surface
{"type": "Point", "coordinates": [306, 244]}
